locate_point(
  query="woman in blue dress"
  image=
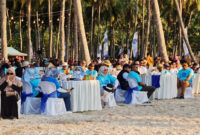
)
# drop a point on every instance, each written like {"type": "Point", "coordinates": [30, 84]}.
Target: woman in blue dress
{"type": "Point", "coordinates": [91, 71]}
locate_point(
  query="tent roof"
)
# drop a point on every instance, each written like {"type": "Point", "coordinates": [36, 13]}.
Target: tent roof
{"type": "Point", "coordinates": [13, 52]}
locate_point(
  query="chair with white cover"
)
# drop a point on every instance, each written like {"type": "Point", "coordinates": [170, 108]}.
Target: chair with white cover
{"type": "Point", "coordinates": [138, 97]}
{"type": "Point", "coordinates": [53, 105]}
{"type": "Point", "coordinates": [119, 95]}
{"type": "Point", "coordinates": [109, 98]}
{"type": "Point", "coordinates": [188, 92]}
{"type": "Point", "coordinates": [30, 105]}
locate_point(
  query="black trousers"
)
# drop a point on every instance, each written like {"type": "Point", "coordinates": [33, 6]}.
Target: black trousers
{"type": "Point", "coordinates": [149, 89]}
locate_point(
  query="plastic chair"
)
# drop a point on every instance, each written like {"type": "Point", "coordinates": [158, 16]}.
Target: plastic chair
{"type": "Point", "coordinates": [54, 106]}
{"type": "Point", "coordinates": [31, 104]}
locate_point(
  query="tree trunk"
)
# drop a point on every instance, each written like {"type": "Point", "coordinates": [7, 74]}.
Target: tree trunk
{"type": "Point", "coordinates": [127, 34]}
{"type": "Point", "coordinates": [38, 32]}
{"type": "Point", "coordinates": [160, 33]}
{"type": "Point", "coordinates": [62, 30]}
{"type": "Point", "coordinates": [4, 29]}
{"type": "Point", "coordinates": [29, 29]}
{"type": "Point", "coordinates": [184, 33]}
{"type": "Point", "coordinates": [142, 43]}
{"type": "Point", "coordinates": [180, 32]}
{"type": "Point", "coordinates": [82, 31]}
{"type": "Point", "coordinates": [148, 28]}
{"type": "Point", "coordinates": [20, 31]}
{"type": "Point", "coordinates": [99, 25]}
{"type": "Point", "coordinates": [57, 44]}
{"type": "Point", "coordinates": [9, 27]}
{"type": "Point", "coordinates": [75, 33]}
{"type": "Point", "coordinates": [91, 34]}
{"type": "Point", "coordinates": [112, 43]}
{"type": "Point", "coordinates": [68, 30]}
{"type": "Point", "coordinates": [50, 8]}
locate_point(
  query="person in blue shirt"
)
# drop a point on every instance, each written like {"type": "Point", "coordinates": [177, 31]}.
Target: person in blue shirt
{"type": "Point", "coordinates": [140, 86]}
{"type": "Point", "coordinates": [104, 80]}
{"type": "Point", "coordinates": [50, 76]}
{"type": "Point", "coordinates": [91, 71]}
{"type": "Point", "coordinates": [184, 78]}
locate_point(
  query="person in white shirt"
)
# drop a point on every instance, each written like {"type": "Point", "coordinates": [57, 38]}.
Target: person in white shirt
{"type": "Point", "coordinates": [142, 68]}
{"type": "Point", "coordinates": [173, 69]}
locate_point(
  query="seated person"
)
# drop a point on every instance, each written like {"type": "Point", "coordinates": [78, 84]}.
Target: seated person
{"type": "Point", "coordinates": [184, 78]}
{"type": "Point", "coordinates": [65, 68]}
{"type": "Point", "coordinates": [122, 77]}
{"type": "Point", "coordinates": [195, 67]}
{"type": "Point", "coordinates": [142, 68]}
{"type": "Point", "coordinates": [91, 71]}
{"type": "Point", "coordinates": [51, 76]}
{"type": "Point", "coordinates": [141, 86]}
{"type": "Point", "coordinates": [106, 79]}
{"type": "Point", "coordinates": [173, 69]}
{"type": "Point", "coordinates": [78, 73]}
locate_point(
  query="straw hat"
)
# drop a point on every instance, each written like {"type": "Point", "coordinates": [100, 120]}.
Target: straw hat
{"type": "Point", "coordinates": [107, 63]}
{"type": "Point", "coordinates": [65, 64]}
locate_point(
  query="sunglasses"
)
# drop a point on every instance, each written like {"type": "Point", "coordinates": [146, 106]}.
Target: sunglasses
{"type": "Point", "coordinates": [9, 73]}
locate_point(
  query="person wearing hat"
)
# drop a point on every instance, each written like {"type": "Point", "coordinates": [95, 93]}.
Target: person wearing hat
{"type": "Point", "coordinates": [184, 78]}
{"type": "Point", "coordinates": [65, 68]}
{"type": "Point", "coordinates": [133, 75]}
{"type": "Point", "coordinates": [26, 65]}
{"type": "Point", "coordinates": [106, 63]}
{"type": "Point", "coordinates": [122, 77]}
{"type": "Point", "coordinates": [142, 68]}
{"type": "Point", "coordinates": [105, 79]}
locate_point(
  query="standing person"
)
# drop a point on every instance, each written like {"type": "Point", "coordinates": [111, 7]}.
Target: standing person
{"type": "Point", "coordinates": [150, 61]}
{"type": "Point", "coordinates": [10, 88]}
{"type": "Point", "coordinates": [184, 78]}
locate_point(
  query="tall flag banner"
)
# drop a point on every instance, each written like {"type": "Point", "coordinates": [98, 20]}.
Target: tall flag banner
{"type": "Point", "coordinates": [105, 48]}
{"type": "Point", "coordinates": [99, 51]}
{"type": "Point", "coordinates": [186, 52]}
{"type": "Point", "coordinates": [135, 44]}
{"type": "Point", "coordinates": [120, 52]}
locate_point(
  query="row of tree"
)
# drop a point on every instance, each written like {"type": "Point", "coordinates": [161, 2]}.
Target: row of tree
{"type": "Point", "coordinates": [62, 27]}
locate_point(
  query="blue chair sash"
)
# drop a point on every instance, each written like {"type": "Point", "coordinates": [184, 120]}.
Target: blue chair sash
{"type": "Point", "coordinates": [156, 81]}
{"type": "Point", "coordinates": [44, 100]}
{"type": "Point", "coordinates": [128, 94]}
{"type": "Point", "coordinates": [24, 96]}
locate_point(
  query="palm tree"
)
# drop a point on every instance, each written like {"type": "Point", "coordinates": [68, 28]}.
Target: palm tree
{"type": "Point", "coordinates": [4, 28]}
{"type": "Point", "coordinates": [50, 8]}
{"type": "Point", "coordinates": [183, 31]}
{"type": "Point", "coordinates": [29, 28]}
{"type": "Point", "coordinates": [68, 29]}
{"type": "Point", "coordinates": [82, 31]}
{"type": "Point", "coordinates": [75, 32]}
{"type": "Point", "coordinates": [148, 28]}
{"type": "Point", "coordinates": [62, 30]}
{"type": "Point", "coordinates": [160, 33]}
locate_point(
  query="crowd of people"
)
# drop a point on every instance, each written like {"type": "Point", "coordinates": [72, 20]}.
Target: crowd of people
{"type": "Point", "coordinates": [127, 76]}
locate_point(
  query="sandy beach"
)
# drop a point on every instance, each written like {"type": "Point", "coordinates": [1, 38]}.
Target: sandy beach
{"type": "Point", "coordinates": [172, 117]}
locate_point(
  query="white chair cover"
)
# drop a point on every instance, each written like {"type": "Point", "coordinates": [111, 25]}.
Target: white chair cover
{"type": "Point", "coordinates": [32, 104]}
{"type": "Point", "coordinates": [19, 108]}
{"type": "Point", "coordinates": [27, 87]}
{"type": "Point", "coordinates": [110, 100]}
{"type": "Point", "coordinates": [188, 93]}
{"type": "Point", "coordinates": [119, 95]}
{"type": "Point", "coordinates": [54, 106]}
{"type": "Point", "coordinates": [196, 83]}
{"type": "Point", "coordinates": [138, 97]}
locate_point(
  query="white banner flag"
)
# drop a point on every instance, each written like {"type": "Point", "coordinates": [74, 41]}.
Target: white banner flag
{"type": "Point", "coordinates": [135, 44]}
{"type": "Point", "coordinates": [31, 50]}
{"type": "Point", "coordinates": [186, 52]}
{"type": "Point", "coordinates": [105, 48]}
{"type": "Point", "coordinates": [120, 52]}
{"type": "Point", "coordinates": [99, 51]}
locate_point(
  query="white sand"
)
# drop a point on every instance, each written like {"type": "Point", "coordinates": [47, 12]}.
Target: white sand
{"type": "Point", "coordinates": [176, 117]}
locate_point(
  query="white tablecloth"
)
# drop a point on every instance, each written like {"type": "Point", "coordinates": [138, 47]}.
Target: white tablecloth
{"type": "Point", "coordinates": [85, 96]}
{"type": "Point", "coordinates": [196, 83]}
{"type": "Point", "coordinates": [168, 86]}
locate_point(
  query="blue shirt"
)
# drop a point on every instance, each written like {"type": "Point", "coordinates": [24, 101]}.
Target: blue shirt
{"type": "Point", "coordinates": [92, 73]}
{"type": "Point", "coordinates": [106, 80]}
{"type": "Point", "coordinates": [35, 84]}
{"type": "Point", "coordinates": [165, 72]}
{"type": "Point", "coordinates": [135, 76]}
{"type": "Point", "coordinates": [183, 74]}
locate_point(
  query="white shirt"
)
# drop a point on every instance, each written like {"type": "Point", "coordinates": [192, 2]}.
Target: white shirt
{"type": "Point", "coordinates": [142, 70]}
{"type": "Point", "coordinates": [125, 76]}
